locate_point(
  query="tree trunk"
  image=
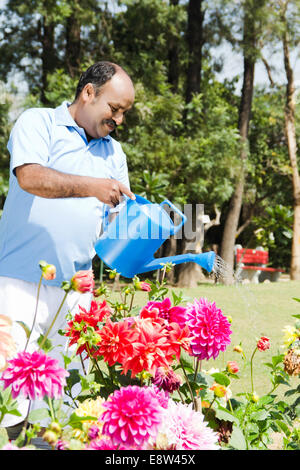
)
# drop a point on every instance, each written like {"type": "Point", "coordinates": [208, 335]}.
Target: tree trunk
{"type": "Point", "coordinates": [232, 219]}
{"type": "Point", "coordinates": [73, 43]}
{"type": "Point", "coordinates": [189, 274]}
{"type": "Point", "coordinates": [290, 131]}
{"type": "Point", "coordinates": [46, 34]}
{"type": "Point", "coordinates": [195, 44]}
{"type": "Point", "coordinates": [173, 70]}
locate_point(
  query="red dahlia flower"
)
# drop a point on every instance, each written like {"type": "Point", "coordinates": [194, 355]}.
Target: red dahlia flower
{"type": "Point", "coordinates": [84, 319]}
{"type": "Point", "coordinates": [151, 348]}
{"type": "Point", "coordinates": [263, 344]}
{"type": "Point", "coordinates": [116, 342]}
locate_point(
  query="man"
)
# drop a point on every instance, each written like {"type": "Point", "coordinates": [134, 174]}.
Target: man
{"type": "Point", "coordinates": [64, 167]}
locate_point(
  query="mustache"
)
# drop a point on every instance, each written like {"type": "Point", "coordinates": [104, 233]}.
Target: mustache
{"type": "Point", "coordinates": [111, 122]}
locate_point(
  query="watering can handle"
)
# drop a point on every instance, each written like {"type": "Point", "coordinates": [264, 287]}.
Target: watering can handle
{"type": "Point", "coordinates": [175, 209]}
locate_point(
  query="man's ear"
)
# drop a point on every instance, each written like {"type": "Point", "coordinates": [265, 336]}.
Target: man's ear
{"type": "Point", "coordinates": [88, 93]}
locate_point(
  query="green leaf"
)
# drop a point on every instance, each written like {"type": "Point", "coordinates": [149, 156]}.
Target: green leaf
{"type": "Point", "coordinates": [266, 399]}
{"type": "Point", "coordinates": [76, 421]}
{"type": "Point", "coordinates": [260, 415]}
{"type": "Point", "coordinates": [3, 437]}
{"type": "Point", "coordinates": [221, 379]}
{"type": "Point", "coordinates": [47, 346]}
{"type": "Point", "coordinates": [277, 359]}
{"type": "Point", "coordinates": [284, 427]}
{"type": "Point", "coordinates": [25, 328]}
{"type": "Point", "coordinates": [226, 415]}
{"type": "Point", "coordinates": [237, 440]}
{"type": "Point", "coordinates": [38, 415]}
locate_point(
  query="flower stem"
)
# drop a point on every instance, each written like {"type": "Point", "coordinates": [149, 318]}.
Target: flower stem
{"type": "Point", "coordinates": [251, 370]}
{"type": "Point", "coordinates": [196, 369]}
{"type": "Point", "coordinates": [131, 302]}
{"type": "Point", "coordinates": [51, 409]}
{"type": "Point", "coordinates": [35, 313]}
{"type": "Point", "coordinates": [189, 386]}
{"type": "Point", "coordinates": [53, 321]}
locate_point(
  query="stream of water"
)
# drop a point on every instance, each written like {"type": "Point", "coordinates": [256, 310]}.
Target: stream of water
{"type": "Point", "coordinates": [222, 273]}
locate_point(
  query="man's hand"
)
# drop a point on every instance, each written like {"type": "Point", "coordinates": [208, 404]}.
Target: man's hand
{"type": "Point", "coordinates": [110, 191]}
{"type": "Point", "coordinates": [46, 182]}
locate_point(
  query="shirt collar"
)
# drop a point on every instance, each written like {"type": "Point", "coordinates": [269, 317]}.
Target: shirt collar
{"type": "Point", "coordinates": [64, 118]}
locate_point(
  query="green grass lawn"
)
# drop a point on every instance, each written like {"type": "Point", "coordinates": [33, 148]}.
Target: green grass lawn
{"type": "Point", "coordinates": [256, 310]}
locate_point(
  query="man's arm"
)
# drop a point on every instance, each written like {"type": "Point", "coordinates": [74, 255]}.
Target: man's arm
{"type": "Point", "coordinates": [46, 182]}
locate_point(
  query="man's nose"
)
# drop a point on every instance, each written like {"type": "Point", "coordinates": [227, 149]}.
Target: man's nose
{"type": "Point", "coordinates": [118, 118]}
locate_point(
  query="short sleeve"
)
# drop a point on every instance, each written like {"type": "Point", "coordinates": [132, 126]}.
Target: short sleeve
{"type": "Point", "coordinates": [30, 139]}
{"type": "Point", "coordinates": [123, 169]}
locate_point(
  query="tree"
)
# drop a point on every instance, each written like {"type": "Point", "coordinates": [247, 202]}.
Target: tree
{"type": "Point", "coordinates": [252, 11]}
{"type": "Point", "coordinates": [287, 19]}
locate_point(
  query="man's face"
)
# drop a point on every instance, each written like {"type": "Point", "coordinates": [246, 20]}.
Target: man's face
{"type": "Point", "coordinates": [99, 115]}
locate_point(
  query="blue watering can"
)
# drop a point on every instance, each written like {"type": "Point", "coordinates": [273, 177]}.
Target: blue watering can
{"type": "Point", "coordinates": [131, 238]}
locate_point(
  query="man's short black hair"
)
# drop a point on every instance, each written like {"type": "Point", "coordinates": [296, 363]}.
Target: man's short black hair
{"type": "Point", "coordinates": [97, 74]}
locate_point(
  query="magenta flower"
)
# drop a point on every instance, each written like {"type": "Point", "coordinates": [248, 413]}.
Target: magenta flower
{"type": "Point", "coordinates": [132, 416]}
{"type": "Point", "coordinates": [167, 379]}
{"type": "Point", "coordinates": [161, 395]}
{"type": "Point", "coordinates": [175, 314]}
{"type": "Point", "coordinates": [34, 375]}
{"type": "Point", "coordinates": [185, 429]}
{"type": "Point", "coordinates": [209, 329]}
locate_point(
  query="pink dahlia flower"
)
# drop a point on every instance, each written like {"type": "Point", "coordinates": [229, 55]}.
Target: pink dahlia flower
{"type": "Point", "coordinates": [161, 395]}
{"type": "Point", "coordinates": [105, 444]}
{"type": "Point", "coordinates": [209, 328]}
{"type": "Point", "coordinates": [10, 446]}
{"type": "Point", "coordinates": [132, 416]}
{"type": "Point", "coordinates": [83, 281]}
{"type": "Point", "coordinates": [185, 429]}
{"type": "Point", "coordinates": [175, 314]}
{"type": "Point", "coordinates": [35, 375]}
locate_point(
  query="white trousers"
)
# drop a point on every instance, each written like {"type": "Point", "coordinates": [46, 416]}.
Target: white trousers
{"type": "Point", "coordinates": [18, 302]}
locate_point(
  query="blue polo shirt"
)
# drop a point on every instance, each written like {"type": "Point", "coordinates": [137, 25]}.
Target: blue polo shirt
{"type": "Point", "coordinates": [60, 231]}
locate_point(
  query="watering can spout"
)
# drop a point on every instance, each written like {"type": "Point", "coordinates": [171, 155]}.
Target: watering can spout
{"type": "Point", "coordinates": [205, 260]}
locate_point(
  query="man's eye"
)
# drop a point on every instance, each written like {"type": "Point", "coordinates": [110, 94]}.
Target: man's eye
{"type": "Point", "coordinates": [114, 110]}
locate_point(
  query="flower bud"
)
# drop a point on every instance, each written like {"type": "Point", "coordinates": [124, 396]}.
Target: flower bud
{"type": "Point", "coordinates": [143, 286]}
{"type": "Point", "coordinates": [219, 390]}
{"type": "Point", "coordinates": [48, 270]}
{"type": "Point", "coordinates": [254, 397]}
{"type": "Point", "coordinates": [205, 404]}
{"type": "Point", "coordinates": [50, 437]}
{"type": "Point", "coordinates": [55, 427]}
{"type": "Point", "coordinates": [238, 349]}
{"type": "Point", "coordinates": [263, 344]}
{"type": "Point", "coordinates": [232, 367]}
{"type": "Point", "coordinates": [83, 281]}
{"type": "Point", "coordinates": [112, 273]}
